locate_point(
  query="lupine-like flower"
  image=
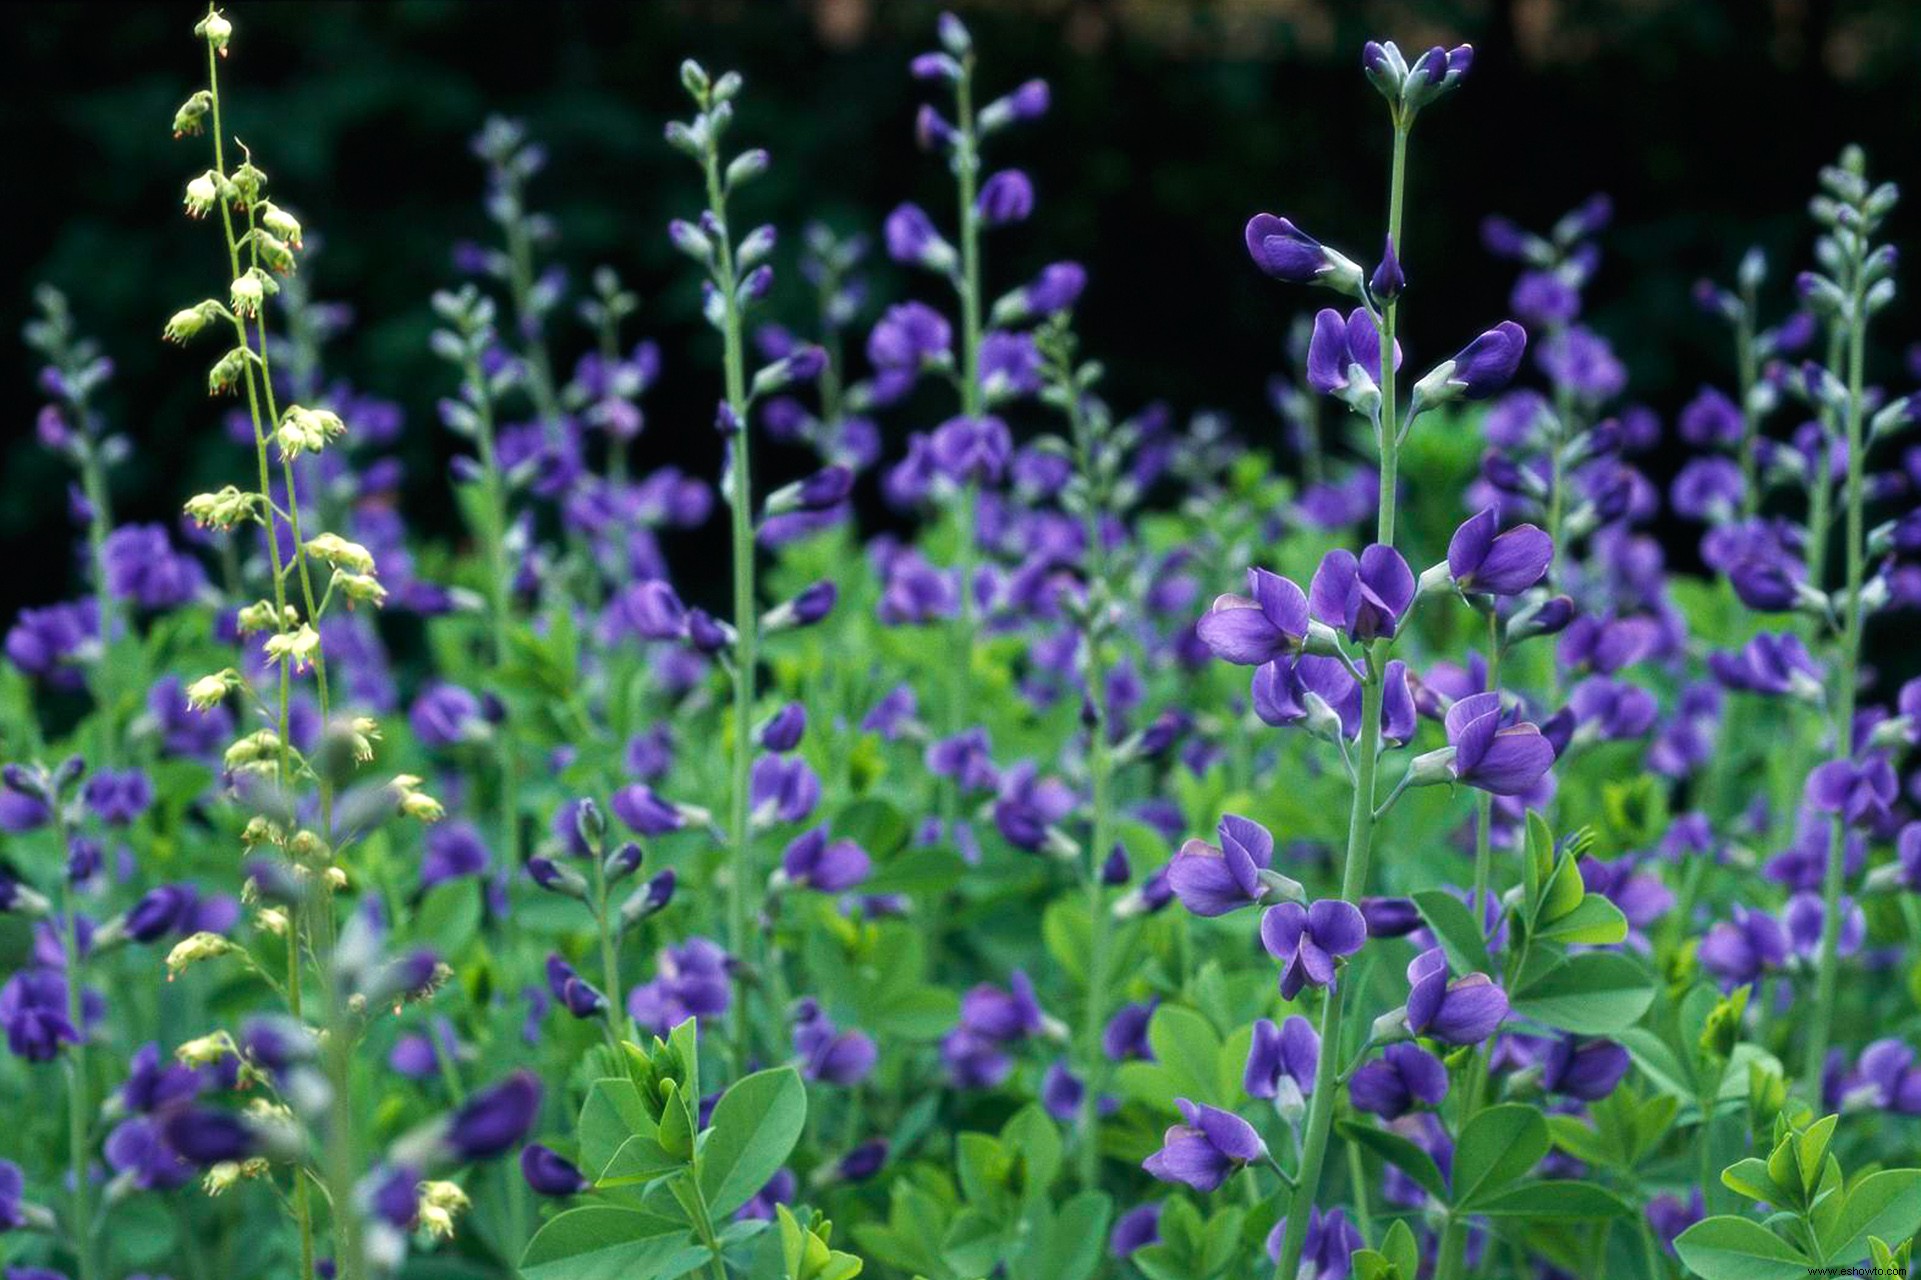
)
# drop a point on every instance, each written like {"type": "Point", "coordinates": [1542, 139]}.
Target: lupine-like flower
{"type": "Point", "coordinates": [1741, 950]}
{"type": "Point", "coordinates": [1331, 1241]}
{"type": "Point", "coordinates": [812, 861]}
{"type": "Point", "coordinates": [828, 1054]}
{"type": "Point", "coordinates": [1586, 1071]}
{"type": "Point", "coordinates": [692, 980]}
{"type": "Point", "coordinates": [1271, 621]}
{"type": "Point", "coordinates": [1478, 370]}
{"type": "Point", "coordinates": [1488, 749]}
{"type": "Point", "coordinates": [1403, 1077]}
{"type": "Point", "coordinates": [1483, 561]}
{"type": "Point", "coordinates": [1281, 1061]}
{"type": "Point", "coordinates": [1308, 940]}
{"type": "Point", "coordinates": [1805, 920]}
{"type": "Point", "coordinates": [494, 1119]}
{"type": "Point", "coordinates": [118, 798]}
{"type": "Point", "coordinates": [1344, 355]}
{"type": "Point", "coordinates": [1364, 597]}
{"type": "Point", "coordinates": [1206, 1149]}
{"type": "Point", "coordinates": [1212, 880]}
{"type": "Point", "coordinates": [972, 450]}
{"type": "Point", "coordinates": [1287, 253]}
{"type": "Point", "coordinates": [1770, 663]}
{"type": "Point", "coordinates": [1861, 791]}
{"type": "Point", "coordinates": [33, 1010]}
{"type": "Point", "coordinates": [1006, 197]}
{"type": "Point", "coordinates": [548, 1174]}
{"type": "Point", "coordinates": [1460, 1011]}
{"type": "Point", "coordinates": [571, 990]}
{"type": "Point", "coordinates": [1135, 1229]}
{"type": "Point", "coordinates": [912, 239]}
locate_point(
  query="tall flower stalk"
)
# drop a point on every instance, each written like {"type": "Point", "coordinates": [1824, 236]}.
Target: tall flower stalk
{"type": "Point", "coordinates": [1855, 284]}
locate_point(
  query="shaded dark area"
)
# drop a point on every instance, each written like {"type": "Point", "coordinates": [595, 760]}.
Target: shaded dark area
{"type": "Point", "coordinates": [1171, 124]}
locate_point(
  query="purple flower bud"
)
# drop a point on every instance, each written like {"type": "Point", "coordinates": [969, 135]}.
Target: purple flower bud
{"type": "Point", "coordinates": [1211, 880]}
{"type": "Point", "coordinates": [1463, 1011]}
{"type": "Point", "coordinates": [1287, 253]}
{"type": "Point", "coordinates": [1006, 197]}
{"type": "Point", "coordinates": [911, 239]}
{"type": "Point", "coordinates": [813, 862]}
{"type": "Point", "coordinates": [208, 1136]}
{"type": "Point", "coordinates": [548, 1174]}
{"type": "Point", "coordinates": [1135, 1229]}
{"type": "Point", "coordinates": [1388, 281]}
{"type": "Point", "coordinates": [1483, 561]}
{"type": "Point", "coordinates": [1290, 1051]}
{"type": "Point", "coordinates": [495, 1118]}
{"type": "Point", "coordinates": [1405, 1076]}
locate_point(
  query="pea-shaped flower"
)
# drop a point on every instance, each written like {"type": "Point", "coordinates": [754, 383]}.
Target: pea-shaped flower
{"type": "Point", "coordinates": [1285, 252]}
{"type": "Point", "coordinates": [1269, 622]}
{"type": "Point", "coordinates": [1488, 749]}
{"type": "Point", "coordinates": [1364, 596]}
{"type": "Point", "coordinates": [1460, 1011]}
{"type": "Point", "coordinates": [1402, 1078]}
{"type": "Point", "coordinates": [1202, 1152]}
{"type": "Point", "coordinates": [1482, 561]}
{"type": "Point", "coordinates": [1344, 356]}
{"type": "Point", "coordinates": [1212, 880]}
{"type": "Point", "coordinates": [1307, 940]}
{"type": "Point", "coordinates": [1477, 370]}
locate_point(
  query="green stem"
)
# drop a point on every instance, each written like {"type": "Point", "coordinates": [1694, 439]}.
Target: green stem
{"type": "Point", "coordinates": [78, 1160]}
{"type": "Point", "coordinates": [967, 175]}
{"type": "Point", "coordinates": [742, 874]}
{"type": "Point", "coordinates": [1748, 375]}
{"type": "Point", "coordinates": [499, 601]}
{"type": "Point", "coordinates": [1844, 696]}
{"type": "Point", "coordinates": [1360, 821]}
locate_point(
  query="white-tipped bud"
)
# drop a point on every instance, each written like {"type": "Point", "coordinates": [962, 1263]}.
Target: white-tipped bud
{"type": "Point", "coordinates": [202, 193]}
{"type": "Point", "coordinates": [191, 951]}
{"type": "Point", "coordinates": [299, 646]}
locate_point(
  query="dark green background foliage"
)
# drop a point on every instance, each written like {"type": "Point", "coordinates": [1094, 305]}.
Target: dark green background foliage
{"type": "Point", "coordinates": [1706, 119]}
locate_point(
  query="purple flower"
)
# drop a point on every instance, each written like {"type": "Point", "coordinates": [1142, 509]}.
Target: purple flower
{"type": "Point", "coordinates": [1463, 1011]}
{"type": "Point", "coordinates": [118, 798]}
{"type": "Point", "coordinates": [1710, 421]}
{"type": "Point", "coordinates": [1739, 951]}
{"type": "Point", "coordinates": [1135, 1229]}
{"type": "Point", "coordinates": [1125, 1035]}
{"type": "Point", "coordinates": [1770, 663]}
{"type": "Point", "coordinates": [141, 566]}
{"type": "Point", "coordinates": [1860, 791]}
{"type": "Point", "coordinates": [1587, 1072]}
{"type": "Point", "coordinates": [1504, 759]}
{"type": "Point", "coordinates": [1403, 1077]}
{"type": "Point", "coordinates": [1029, 806]}
{"type": "Point", "coordinates": [548, 1174]}
{"type": "Point", "coordinates": [912, 239]}
{"type": "Point", "coordinates": [571, 990]}
{"type": "Point", "coordinates": [1204, 1150]}
{"type": "Point", "coordinates": [972, 450]}
{"type": "Point", "coordinates": [965, 759]}
{"type": "Point", "coordinates": [45, 643]}
{"type": "Point", "coordinates": [645, 811]}
{"type": "Point", "coordinates": [1329, 1243]}
{"type": "Point", "coordinates": [208, 1136]}
{"type": "Point", "coordinates": [692, 980]}
{"type": "Point", "coordinates": [779, 1189]}
{"type": "Point", "coordinates": [783, 732]}
{"type": "Point", "coordinates": [908, 336]}
{"type": "Point", "coordinates": [1308, 940]}
{"type": "Point", "coordinates": [1289, 1052]}
{"type": "Point", "coordinates": [1365, 597]}
{"type": "Point", "coordinates": [828, 1054]}
{"type": "Point", "coordinates": [495, 1118]}
{"type": "Point", "coordinates": [1006, 197]}
{"type": "Point", "coordinates": [1057, 288]}
{"type": "Point", "coordinates": [811, 861]}
{"type": "Point", "coordinates": [1287, 253]}
{"type": "Point", "coordinates": [1268, 623]}
{"type": "Point", "coordinates": [33, 1009]}
{"type": "Point", "coordinates": [451, 850]}
{"type": "Point", "coordinates": [1485, 562]}
{"type": "Point", "coordinates": [1213, 880]}
{"type": "Point", "coordinates": [1479, 369]}
{"type": "Point", "coordinates": [1338, 346]}
{"type": "Point", "coordinates": [783, 788]}
{"type": "Point", "coordinates": [1581, 361]}
{"type": "Point", "coordinates": [138, 1151]}
{"type": "Point", "coordinates": [999, 1015]}
{"type": "Point", "coordinates": [1805, 919]}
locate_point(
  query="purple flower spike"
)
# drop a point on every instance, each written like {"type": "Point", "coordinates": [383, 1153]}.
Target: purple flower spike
{"type": "Point", "coordinates": [1212, 881]}
{"type": "Point", "coordinates": [1463, 1011]}
{"type": "Point", "coordinates": [1479, 369]}
{"type": "Point", "coordinates": [1365, 597]}
{"type": "Point", "coordinates": [1287, 253]}
{"type": "Point", "coordinates": [1404, 1077]}
{"type": "Point", "coordinates": [1289, 1052]}
{"type": "Point", "coordinates": [1202, 1152]}
{"type": "Point", "coordinates": [1307, 940]}
{"type": "Point", "coordinates": [1501, 759]}
{"type": "Point", "coordinates": [1485, 562]}
{"type": "Point", "coordinates": [1269, 622]}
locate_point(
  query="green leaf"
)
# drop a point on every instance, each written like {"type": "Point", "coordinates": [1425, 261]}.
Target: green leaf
{"type": "Point", "coordinates": [600, 1242]}
{"type": "Point", "coordinates": [1658, 1062]}
{"type": "Point", "coordinates": [1455, 928]}
{"type": "Point", "coordinates": [755, 1126]}
{"type": "Point", "coordinates": [611, 1114]}
{"type": "Point", "coordinates": [1032, 1138]}
{"type": "Point", "coordinates": [1498, 1147]}
{"type": "Point", "coordinates": [1730, 1248]}
{"type": "Point", "coordinates": [1402, 1154]}
{"type": "Point", "coordinates": [1885, 1204]}
{"type": "Point", "coordinates": [1595, 922]}
{"type": "Point", "coordinates": [640, 1159]}
{"type": "Point", "coordinates": [874, 825]}
{"type": "Point", "coordinates": [1076, 1239]}
{"type": "Point", "coordinates": [1595, 993]}
{"type": "Point", "coordinates": [1554, 1199]}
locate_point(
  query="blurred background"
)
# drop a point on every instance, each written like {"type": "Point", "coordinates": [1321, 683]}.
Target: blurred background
{"type": "Point", "coordinates": [1173, 121]}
